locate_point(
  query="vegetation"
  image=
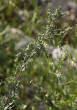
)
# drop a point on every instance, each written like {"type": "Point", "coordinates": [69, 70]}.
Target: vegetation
{"type": "Point", "coordinates": [30, 77]}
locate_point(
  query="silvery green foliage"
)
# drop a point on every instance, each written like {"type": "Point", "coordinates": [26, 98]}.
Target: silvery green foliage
{"type": "Point", "coordinates": [33, 49]}
{"type": "Point", "coordinates": [38, 80]}
{"type": "Point", "coordinates": [53, 36]}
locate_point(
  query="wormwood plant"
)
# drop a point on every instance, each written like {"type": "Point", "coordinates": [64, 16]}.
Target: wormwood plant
{"type": "Point", "coordinates": [39, 83]}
